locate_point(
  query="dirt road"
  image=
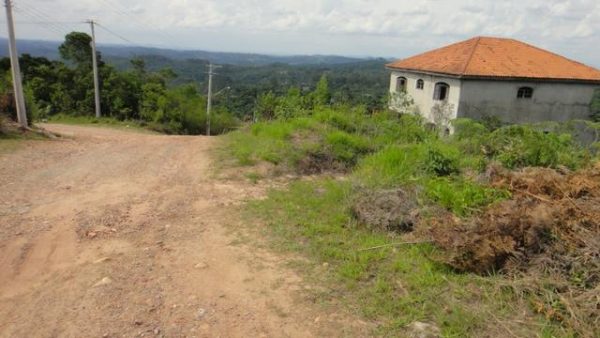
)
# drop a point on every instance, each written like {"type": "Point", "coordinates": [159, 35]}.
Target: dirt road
{"type": "Point", "coordinates": [109, 233]}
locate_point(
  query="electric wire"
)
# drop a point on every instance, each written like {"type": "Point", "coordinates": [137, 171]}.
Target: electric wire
{"type": "Point", "coordinates": [125, 12]}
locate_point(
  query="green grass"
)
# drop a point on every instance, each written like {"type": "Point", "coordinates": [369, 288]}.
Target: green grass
{"type": "Point", "coordinates": [395, 285]}
{"type": "Point", "coordinates": [100, 122]}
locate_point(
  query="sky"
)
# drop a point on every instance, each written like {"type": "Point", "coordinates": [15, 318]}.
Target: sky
{"type": "Point", "coordinates": [386, 28]}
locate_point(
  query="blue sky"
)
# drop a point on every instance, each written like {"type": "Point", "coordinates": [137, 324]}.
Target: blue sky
{"type": "Point", "coordinates": [387, 28]}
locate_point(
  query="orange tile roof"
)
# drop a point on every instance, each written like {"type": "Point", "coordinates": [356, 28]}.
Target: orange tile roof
{"type": "Point", "coordinates": [498, 58]}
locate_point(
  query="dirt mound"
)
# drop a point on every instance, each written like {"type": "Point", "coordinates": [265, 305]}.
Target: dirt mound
{"type": "Point", "coordinates": [389, 210]}
{"type": "Point", "coordinates": [550, 227]}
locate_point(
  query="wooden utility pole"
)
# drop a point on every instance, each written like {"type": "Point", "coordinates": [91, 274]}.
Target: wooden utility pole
{"type": "Point", "coordinates": [16, 70]}
{"type": "Point", "coordinates": [95, 67]}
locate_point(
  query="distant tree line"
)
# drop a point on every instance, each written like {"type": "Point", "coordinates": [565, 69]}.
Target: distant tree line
{"type": "Point", "coordinates": [167, 95]}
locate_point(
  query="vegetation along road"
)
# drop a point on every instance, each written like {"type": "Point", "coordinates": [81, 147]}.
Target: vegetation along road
{"type": "Point", "coordinates": [113, 233]}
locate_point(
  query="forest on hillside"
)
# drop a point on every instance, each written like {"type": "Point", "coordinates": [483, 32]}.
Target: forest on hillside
{"type": "Point", "coordinates": [168, 95]}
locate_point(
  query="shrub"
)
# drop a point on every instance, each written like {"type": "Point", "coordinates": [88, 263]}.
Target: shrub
{"type": "Point", "coordinates": [466, 129]}
{"type": "Point", "coordinates": [347, 148]}
{"type": "Point", "coordinates": [442, 160]}
{"type": "Point", "coordinates": [461, 196]}
{"type": "Point", "coordinates": [393, 166]}
{"type": "Point", "coordinates": [520, 146]}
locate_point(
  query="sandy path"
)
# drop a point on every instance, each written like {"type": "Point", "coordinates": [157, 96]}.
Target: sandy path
{"type": "Point", "coordinates": [110, 233]}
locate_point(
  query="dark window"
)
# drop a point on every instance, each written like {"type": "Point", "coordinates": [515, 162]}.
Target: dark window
{"type": "Point", "coordinates": [442, 90]}
{"type": "Point", "coordinates": [525, 93]}
{"type": "Point", "coordinates": [401, 84]}
{"type": "Point", "coordinates": [420, 84]}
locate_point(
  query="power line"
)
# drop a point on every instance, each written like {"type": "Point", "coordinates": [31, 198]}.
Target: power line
{"type": "Point", "coordinates": [33, 16]}
{"type": "Point", "coordinates": [117, 35]}
{"type": "Point", "coordinates": [42, 18]}
{"type": "Point", "coordinates": [124, 11]}
{"type": "Point", "coordinates": [63, 26]}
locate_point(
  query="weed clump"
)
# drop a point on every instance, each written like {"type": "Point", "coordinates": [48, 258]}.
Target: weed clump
{"type": "Point", "coordinates": [393, 210]}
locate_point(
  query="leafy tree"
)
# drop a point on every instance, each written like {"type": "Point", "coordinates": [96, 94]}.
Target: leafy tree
{"type": "Point", "coordinates": [266, 105]}
{"type": "Point", "coordinates": [321, 95]}
{"type": "Point", "coordinates": [77, 49]}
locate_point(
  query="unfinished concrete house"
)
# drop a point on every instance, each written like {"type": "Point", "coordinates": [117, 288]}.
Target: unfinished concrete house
{"type": "Point", "coordinates": [511, 80]}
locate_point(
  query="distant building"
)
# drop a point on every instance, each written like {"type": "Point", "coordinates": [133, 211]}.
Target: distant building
{"type": "Point", "coordinates": [506, 78]}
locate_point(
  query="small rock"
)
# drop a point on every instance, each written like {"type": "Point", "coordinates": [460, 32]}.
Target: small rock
{"type": "Point", "coordinates": [102, 260]}
{"type": "Point", "coordinates": [138, 322]}
{"type": "Point", "coordinates": [423, 330]}
{"type": "Point", "coordinates": [325, 265]}
{"type": "Point", "coordinates": [201, 312]}
{"type": "Point", "coordinates": [92, 234]}
{"type": "Point", "coordinates": [156, 331]}
{"type": "Point", "coordinates": [103, 281]}
{"type": "Point", "coordinates": [201, 265]}
{"type": "Point", "coordinates": [318, 319]}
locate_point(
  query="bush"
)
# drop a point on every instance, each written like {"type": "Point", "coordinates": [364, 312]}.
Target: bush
{"type": "Point", "coordinates": [461, 196]}
{"type": "Point", "coordinates": [393, 166]}
{"type": "Point", "coordinates": [442, 160]}
{"type": "Point", "coordinates": [521, 146]}
{"type": "Point", "coordinates": [347, 148]}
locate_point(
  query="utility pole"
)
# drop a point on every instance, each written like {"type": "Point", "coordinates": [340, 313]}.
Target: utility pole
{"type": "Point", "coordinates": [211, 72]}
{"type": "Point", "coordinates": [95, 67]}
{"type": "Point", "coordinates": [16, 70]}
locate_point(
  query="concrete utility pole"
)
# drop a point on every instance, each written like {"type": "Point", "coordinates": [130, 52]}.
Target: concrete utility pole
{"type": "Point", "coordinates": [211, 72]}
{"type": "Point", "coordinates": [95, 67]}
{"type": "Point", "coordinates": [16, 70]}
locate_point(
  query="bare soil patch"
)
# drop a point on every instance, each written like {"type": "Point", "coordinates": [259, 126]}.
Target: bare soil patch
{"type": "Point", "coordinates": [109, 233]}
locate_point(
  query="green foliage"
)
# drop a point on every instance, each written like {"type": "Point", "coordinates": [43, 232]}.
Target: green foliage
{"type": "Point", "coordinates": [53, 87]}
{"type": "Point", "coordinates": [394, 285]}
{"type": "Point", "coordinates": [393, 166]}
{"type": "Point", "coordinates": [461, 196]}
{"type": "Point", "coordinates": [321, 96]}
{"type": "Point", "coordinates": [520, 146]}
{"type": "Point", "coordinates": [442, 160]}
{"type": "Point", "coordinates": [347, 148]}
{"type": "Point", "coordinates": [467, 129]}
{"type": "Point", "coordinates": [77, 49]}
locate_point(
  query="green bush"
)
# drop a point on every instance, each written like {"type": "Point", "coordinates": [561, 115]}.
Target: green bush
{"type": "Point", "coordinates": [347, 148]}
{"type": "Point", "coordinates": [442, 160]}
{"type": "Point", "coordinates": [461, 196]}
{"type": "Point", "coordinates": [521, 146]}
{"type": "Point", "coordinates": [393, 166]}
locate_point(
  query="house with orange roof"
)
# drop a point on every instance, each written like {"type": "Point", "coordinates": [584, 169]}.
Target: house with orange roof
{"type": "Point", "coordinates": [505, 78]}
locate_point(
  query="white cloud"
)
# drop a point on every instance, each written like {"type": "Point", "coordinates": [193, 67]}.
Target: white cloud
{"type": "Point", "coordinates": [358, 27]}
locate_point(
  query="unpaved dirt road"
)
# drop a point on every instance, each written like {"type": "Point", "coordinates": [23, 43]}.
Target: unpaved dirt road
{"type": "Point", "coordinates": [110, 233]}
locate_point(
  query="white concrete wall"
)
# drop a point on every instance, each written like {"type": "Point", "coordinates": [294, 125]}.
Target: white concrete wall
{"type": "Point", "coordinates": [424, 98]}
{"type": "Point", "coordinates": [550, 102]}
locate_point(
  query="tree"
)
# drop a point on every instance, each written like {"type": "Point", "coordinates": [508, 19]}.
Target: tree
{"type": "Point", "coordinates": [266, 105]}
{"type": "Point", "coordinates": [321, 95]}
{"type": "Point", "coordinates": [77, 48]}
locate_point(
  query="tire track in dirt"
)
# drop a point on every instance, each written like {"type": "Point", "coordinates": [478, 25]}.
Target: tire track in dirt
{"type": "Point", "coordinates": [110, 233]}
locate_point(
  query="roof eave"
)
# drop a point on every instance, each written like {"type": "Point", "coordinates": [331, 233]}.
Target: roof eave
{"type": "Point", "coordinates": [495, 78]}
